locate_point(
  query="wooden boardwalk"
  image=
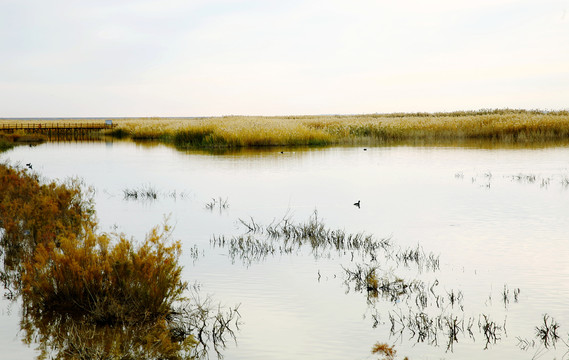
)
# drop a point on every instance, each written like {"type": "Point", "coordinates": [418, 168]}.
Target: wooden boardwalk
{"type": "Point", "coordinates": [55, 128]}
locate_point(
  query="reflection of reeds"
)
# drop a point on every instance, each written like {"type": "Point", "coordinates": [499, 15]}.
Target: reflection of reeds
{"type": "Point", "coordinates": [211, 325]}
{"type": "Point", "coordinates": [220, 203]}
{"type": "Point", "coordinates": [506, 295]}
{"type": "Point", "coordinates": [491, 331]}
{"type": "Point", "coordinates": [541, 180]}
{"type": "Point", "coordinates": [547, 336]}
{"type": "Point", "coordinates": [547, 332]}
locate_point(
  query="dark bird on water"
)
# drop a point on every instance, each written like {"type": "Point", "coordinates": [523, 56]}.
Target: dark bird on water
{"type": "Point", "coordinates": [357, 204]}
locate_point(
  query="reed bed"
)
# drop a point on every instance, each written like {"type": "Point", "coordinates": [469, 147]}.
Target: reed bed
{"type": "Point", "coordinates": [508, 126]}
{"type": "Point", "coordinates": [8, 141]}
{"type": "Point", "coordinates": [501, 125]}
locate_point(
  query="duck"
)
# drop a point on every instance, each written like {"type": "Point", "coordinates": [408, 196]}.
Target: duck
{"type": "Point", "coordinates": [357, 204]}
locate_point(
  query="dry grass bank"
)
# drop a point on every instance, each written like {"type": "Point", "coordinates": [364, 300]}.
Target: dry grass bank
{"type": "Point", "coordinates": [508, 126]}
{"type": "Point", "coordinates": [8, 141]}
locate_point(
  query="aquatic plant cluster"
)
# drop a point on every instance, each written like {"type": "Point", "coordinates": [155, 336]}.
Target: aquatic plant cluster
{"type": "Point", "coordinates": [286, 237]}
{"type": "Point", "coordinates": [85, 293]}
{"type": "Point", "coordinates": [150, 193]}
{"type": "Point", "coordinates": [422, 310]}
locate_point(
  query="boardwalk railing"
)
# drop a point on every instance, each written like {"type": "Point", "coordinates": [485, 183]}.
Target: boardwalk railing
{"type": "Point", "coordinates": [63, 128]}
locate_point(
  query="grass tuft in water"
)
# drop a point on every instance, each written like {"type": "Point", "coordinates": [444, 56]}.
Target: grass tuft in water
{"type": "Point", "coordinates": [286, 237]}
{"type": "Point", "coordinates": [547, 332]}
{"type": "Point", "coordinates": [220, 203]}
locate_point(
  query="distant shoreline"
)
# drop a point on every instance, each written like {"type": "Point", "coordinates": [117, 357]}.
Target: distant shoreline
{"type": "Point", "coordinates": [506, 126]}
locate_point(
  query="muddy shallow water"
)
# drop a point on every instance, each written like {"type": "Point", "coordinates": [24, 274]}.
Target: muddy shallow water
{"type": "Point", "coordinates": [497, 220]}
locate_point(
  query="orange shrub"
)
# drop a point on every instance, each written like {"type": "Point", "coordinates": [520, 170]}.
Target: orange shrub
{"type": "Point", "coordinates": [87, 275]}
{"type": "Point", "coordinates": [32, 213]}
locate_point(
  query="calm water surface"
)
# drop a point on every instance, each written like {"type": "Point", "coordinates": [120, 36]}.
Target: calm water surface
{"type": "Point", "coordinates": [497, 218]}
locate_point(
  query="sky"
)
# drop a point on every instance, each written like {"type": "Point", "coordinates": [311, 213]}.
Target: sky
{"type": "Point", "coordinates": [69, 58]}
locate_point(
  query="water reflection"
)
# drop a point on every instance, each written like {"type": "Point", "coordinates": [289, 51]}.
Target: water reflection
{"type": "Point", "coordinates": [510, 233]}
{"type": "Point", "coordinates": [190, 331]}
{"type": "Point", "coordinates": [59, 336]}
{"type": "Point", "coordinates": [483, 144]}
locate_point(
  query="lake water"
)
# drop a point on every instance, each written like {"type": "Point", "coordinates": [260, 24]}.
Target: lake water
{"type": "Point", "coordinates": [497, 219]}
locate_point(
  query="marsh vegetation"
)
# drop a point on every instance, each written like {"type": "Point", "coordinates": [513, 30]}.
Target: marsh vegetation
{"type": "Point", "coordinates": [85, 293]}
{"type": "Point", "coordinates": [500, 125]}
{"type": "Point", "coordinates": [509, 126]}
{"type": "Point", "coordinates": [8, 141]}
{"type": "Point", "coordinates": [422, 312]}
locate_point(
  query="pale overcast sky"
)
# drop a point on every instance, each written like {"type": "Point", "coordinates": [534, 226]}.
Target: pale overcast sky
{"type": "Point", "coordinates": [264, 57]}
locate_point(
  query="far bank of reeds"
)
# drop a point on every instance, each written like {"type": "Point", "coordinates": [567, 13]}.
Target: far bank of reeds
{"type": "Point", "coordinates": [506, 126]}
{"type": "Point", "coordinates": [501, 126]}
{"type": "Point", "coordinates": [8, 141]}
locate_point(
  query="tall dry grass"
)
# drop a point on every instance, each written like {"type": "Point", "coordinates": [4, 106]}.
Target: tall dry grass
{"type": "Point", "coordinates": [502, 125]}
{"type": "Point", "coordinates": [510, 126]}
